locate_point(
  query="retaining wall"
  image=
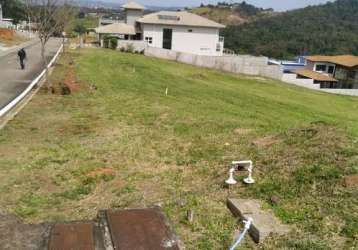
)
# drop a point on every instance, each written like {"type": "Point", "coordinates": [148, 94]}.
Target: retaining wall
{"type": "Point", "coordinates": [350, 92]}
{"type": "Point", "coordinates": [240, 64]}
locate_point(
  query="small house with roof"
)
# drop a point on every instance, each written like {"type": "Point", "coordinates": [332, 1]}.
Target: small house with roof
{"type": "Point", "coordinates": [333, 72]}
{"type": "Point", "coordinates": [179, 31]}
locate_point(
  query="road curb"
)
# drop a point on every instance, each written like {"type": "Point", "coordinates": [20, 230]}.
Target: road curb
{"type": "Point", "coordinates": [15, 106]}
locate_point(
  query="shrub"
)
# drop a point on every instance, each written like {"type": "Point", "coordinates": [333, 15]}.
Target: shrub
{"type": "Point", "coordinates": [130, 48]}
{"type": "Point", "coordinates": [113, 43]}
{"type": "Point", "coordinates": [65, 90]}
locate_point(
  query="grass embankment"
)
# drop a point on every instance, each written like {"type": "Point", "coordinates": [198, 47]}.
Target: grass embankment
{"type": "Point", "coordinates": [125, 144]}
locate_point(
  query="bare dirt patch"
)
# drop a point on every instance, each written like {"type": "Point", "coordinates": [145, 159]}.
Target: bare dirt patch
{"type": "Point", "coordinates": [350, 181]}
{"type": "Point", "coordinates": [70, 80]}
{"type": "Point", "coordinates": [199, 76]}
{"type": "Point", "coordinates": [267, 141]}
{"type": "Point", "coordinates": [69, 85]}
{"type": "Point", "coordinates": [236, 19]}
{"type": "Point", "coordinates": [7, 34]}
{"type": "Point", "coordinates": [102, 172]}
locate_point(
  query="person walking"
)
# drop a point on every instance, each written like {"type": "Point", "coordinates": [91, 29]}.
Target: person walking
{"type": "Point", "coordinates": [22, 57]}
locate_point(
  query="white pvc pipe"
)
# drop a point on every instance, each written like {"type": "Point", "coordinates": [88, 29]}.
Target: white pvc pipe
{"type": "Point", "coordinates": [247, 223]}
{"type": "Point", "coordinates": [249, 179]}
{"type": "Point", "coordinates": [242, 163]}
{"type": "Point", "coordinates": [231, 180]}
{"type": "Point", "coordinates": [14, 102]}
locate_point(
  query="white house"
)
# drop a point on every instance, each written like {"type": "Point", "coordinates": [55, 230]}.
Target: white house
{"type": "Point", "coordinates": [178, 31]}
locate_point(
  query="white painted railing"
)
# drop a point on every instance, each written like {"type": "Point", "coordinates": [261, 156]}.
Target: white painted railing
{"type": "Point", "coordinates": [14, 102]}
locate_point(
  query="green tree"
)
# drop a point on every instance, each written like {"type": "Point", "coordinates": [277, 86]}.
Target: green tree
{"type": "Point", "coordinates": [14, 9]}
{"type": "Point", "coordinates": [325, 29]}
{"type": "Point", "coordinates": [80, 29]}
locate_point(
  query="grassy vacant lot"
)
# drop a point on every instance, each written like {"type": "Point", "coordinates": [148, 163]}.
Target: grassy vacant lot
{"type": "Point", "coordinates": [126, 144]}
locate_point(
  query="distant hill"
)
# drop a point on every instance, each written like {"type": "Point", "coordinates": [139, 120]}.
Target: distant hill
{"type": "Point", "coordinates": [327, 29]}
{"type": "Point", "coordinates": [231, 14]}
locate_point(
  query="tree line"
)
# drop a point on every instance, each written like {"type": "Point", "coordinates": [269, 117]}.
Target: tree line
{"type": "Point", "coordinates": [328, 29]}
{"type": "Point", "coordinates": [14, 9]}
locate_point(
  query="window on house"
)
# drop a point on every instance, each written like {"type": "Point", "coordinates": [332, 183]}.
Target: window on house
{"type": "Point", "coordinates": [169, 17]}
{"type": "Point", "coordinates": [218, 47]}
{"type": "Point", "coordinates": [321, 67]}
{"type": "Point", "coordinates": [351, 74]}
{"type": "Point", "coordinates": [330, 69]}
{"type": "Point", "coordinates": [149, 39]}
{"type": "Point", "coordinates": [190, 31]}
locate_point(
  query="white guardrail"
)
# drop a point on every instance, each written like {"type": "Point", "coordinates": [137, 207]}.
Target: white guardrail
{"type": "Point", "coordinates": [14, 102]}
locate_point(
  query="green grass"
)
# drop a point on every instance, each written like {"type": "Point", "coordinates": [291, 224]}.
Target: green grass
{"type": "Point", "coordinates": [174, 150]}
{"type": "Point", "coordinates": [87, 22]}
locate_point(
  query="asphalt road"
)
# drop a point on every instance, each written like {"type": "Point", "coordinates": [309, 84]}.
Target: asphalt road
{"type": "Point", "coordinates": [13, 80]}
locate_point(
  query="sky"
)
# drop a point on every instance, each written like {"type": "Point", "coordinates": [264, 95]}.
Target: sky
{"type": "Point", "coordinates": [279, 5]}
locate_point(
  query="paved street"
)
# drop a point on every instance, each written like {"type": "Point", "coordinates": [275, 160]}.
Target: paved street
{"type": "Point", "coordinates": [13, 80]}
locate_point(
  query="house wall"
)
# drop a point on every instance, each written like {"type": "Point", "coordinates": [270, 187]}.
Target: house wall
{"type": "Point", "coordinates": [345, 76]}
{"type": "Point", "coordinates": [132, 16]}
{"type": "Point", "coordinates": [342, 74]}
{"type": "Point", "coordinates": [292, 79]}
{"type": "Point", "coordinates": [201, 41]}
{"type": "Point", "coordinates": [310, 65]}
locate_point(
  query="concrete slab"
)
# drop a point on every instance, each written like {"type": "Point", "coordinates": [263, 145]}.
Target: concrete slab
{"type": "Point", "coordinates": [72, 236]}
{"type": "Point", "coordinates": [264, 221]}
{"type": "Point", "coordinates": [135, 229]}
{"type": "Point", "coordinates": [141, 229]}
{"type": "Point", "coordinates": [16, 235]}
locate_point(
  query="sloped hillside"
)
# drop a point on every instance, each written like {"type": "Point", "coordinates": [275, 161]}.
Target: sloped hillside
{"type": "Point", "coordinates": [325, 29]}
{"type": "Point", "coordinates": [119, 141]}
{"type": "Point", "coordinates": [232, 14]}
